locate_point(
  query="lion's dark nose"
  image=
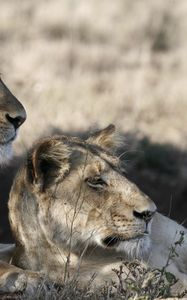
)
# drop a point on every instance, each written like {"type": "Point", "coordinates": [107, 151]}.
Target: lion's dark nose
{"type": "Point", "coordinates": [144, 215]}
{"type": "Point", "coordinates": [16, 120]}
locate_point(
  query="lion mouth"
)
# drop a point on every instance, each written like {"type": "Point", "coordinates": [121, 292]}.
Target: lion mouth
{"type": "Point", "coordinates": [112, 241]}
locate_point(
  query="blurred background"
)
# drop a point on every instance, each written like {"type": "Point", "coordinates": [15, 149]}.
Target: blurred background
{"type": "Point", "coordinates": [77, 65]}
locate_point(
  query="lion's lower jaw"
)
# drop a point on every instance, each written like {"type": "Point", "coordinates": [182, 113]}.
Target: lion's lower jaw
{"type": "Point", "coordinates": [135, 248]}
{"type": "Point", "coordinates": [5, 153]}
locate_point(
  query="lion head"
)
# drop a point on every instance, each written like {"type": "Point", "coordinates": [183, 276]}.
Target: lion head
{"type": "Point", "coordinates": [12, 115]}
{"type": "Point", "coordinates": [72, 195]}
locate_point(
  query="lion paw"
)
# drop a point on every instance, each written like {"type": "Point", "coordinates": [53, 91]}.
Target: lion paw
{"type": "Point", "coordinates": [14, 282]}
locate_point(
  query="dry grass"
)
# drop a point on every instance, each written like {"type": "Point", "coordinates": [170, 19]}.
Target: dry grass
{"type": "Point", "coordinates": [76, 64]}
{"type": "Point", "coordinates": [82, 64]}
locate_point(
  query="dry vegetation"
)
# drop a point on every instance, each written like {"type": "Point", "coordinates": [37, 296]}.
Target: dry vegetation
{"type": "Point", "coordinates": [81, 64]}
{"type": "Point", "coordinates": [75, 64]}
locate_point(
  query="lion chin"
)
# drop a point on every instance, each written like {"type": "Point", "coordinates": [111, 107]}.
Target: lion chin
{"type": "Point", "coordinates": [138, 248]}
{"type": "Point", "coordinates": [5, 153]}
{"type": "Point", "coordinates": [133, 248]}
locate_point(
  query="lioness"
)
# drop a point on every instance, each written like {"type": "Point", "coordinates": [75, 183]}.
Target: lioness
{"type": "Point", "coordinates": [12, 116]}
{"type": "Point", "coordinates": [72, 211]}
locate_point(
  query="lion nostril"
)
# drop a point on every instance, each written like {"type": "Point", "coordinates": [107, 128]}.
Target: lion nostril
{"type": "Point", "coordinates": [144, 215]}
{"type": "Point", "coordinates": [15, 121]}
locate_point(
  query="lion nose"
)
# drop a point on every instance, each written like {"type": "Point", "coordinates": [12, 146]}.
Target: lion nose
{"type": "Point", "coordinates": [16, 120]}
{"type": "Point", "coordinates": [144, 215]}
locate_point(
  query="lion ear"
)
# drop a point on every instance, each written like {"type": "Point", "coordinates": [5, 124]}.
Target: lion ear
{"type": "Point", "coordinates": [48, 163]}
{"type": "Point", "coordinates": [106, 138]}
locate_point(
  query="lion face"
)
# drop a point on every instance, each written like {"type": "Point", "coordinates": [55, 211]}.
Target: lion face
{"type": "Point", "coordinates": [102, 207]}
{"type": "Point", "coordinates": [12, 115]}
{"type": "Point", "coordinates": [74, 193]}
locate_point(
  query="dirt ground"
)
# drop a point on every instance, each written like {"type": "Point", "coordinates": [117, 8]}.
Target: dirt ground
{"type": "Point", "coordinates": [79, 65]}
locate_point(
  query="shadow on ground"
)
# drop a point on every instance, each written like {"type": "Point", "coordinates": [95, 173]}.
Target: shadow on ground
{"type": "Point", "coordinates": [160, 170]}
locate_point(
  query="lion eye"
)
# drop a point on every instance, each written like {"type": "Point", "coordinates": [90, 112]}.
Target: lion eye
{"type": "Point", "coordinates": [96, 182]}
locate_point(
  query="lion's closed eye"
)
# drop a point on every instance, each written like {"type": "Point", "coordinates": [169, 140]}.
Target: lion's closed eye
{"type": "Point", "coordinates": [96, 182]}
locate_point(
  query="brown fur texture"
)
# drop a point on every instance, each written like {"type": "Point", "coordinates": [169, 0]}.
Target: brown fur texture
{"type": "Point", "coordinates": [74, 213]}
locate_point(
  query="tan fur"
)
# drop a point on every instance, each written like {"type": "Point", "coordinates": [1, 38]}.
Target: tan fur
{"type": "Point", "coordinates": [9, 107]}
{"type": "Point", "coordinates": [70, 199]}
{"type": "Point", "coordinates": [11, 112]}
